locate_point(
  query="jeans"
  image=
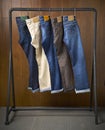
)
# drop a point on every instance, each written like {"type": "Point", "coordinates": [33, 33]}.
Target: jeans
{"type": "Point", "coordinates": [43, 66]}
{"type": "Point", "coordinates": [50, 51]}
{"type": "Point", "coordinates": [24, 41]}
{"type": "Point", "coordinates": [62, 54]}
{"type": "Point", "coordinates": [72, 40]}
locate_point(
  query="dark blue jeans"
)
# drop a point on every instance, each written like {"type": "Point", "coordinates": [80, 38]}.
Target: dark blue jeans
{"type": "Point", "coordinates": [50, 51]}
{"type": "Point", "coordinates": [72, 40]}
{"type": "Point", "coordinates": [25, 42]}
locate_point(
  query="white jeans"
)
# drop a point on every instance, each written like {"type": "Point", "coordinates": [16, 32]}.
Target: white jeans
{"type": "Point", "coordinates": [33, 25]}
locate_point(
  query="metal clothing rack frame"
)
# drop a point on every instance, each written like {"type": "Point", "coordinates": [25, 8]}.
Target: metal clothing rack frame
{"type": "Point", "coordinates": [11, 87]}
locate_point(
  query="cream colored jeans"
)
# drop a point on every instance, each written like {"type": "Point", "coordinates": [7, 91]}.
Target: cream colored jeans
{"type": "Point", "coordinates": [33, 25]}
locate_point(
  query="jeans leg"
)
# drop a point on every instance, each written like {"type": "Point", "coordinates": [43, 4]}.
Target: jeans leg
{"type": "Point", "coordinates": [62, 54]}
{"type": "Point", "coordinates": [43, 66]}
{"type": "Point", "coordinates": [25, 40]}
{"type": "Point", "coordinates": [72, 40]}
{"type": "Point", "coordinates": [50, 51]}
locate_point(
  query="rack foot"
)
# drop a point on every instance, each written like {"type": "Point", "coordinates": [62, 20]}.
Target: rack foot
{"type": "Point", "coordinates": [96, 120]}
{"type": "Point", "coordinates": [7, 123]}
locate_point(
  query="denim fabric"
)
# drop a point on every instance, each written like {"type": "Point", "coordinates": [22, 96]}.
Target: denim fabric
{"type": "Point", "coordinates": [62, 54]}
{"type": "Point", "coordinates": [33, 25]}
{"type": "Point", "coordinates": [50, 51]}
{"type": "Point", "coordinates": [72, 40]}
{"type": "Point", "coordinates": [25, 42]}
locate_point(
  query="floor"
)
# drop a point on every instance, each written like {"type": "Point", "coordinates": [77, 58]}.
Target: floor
{"type": "Point", "coordinates": [53, 120]}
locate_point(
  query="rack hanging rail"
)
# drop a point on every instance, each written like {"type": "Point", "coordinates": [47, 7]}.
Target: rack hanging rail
{"type": "Point", "coordinates": [11, 74]}
{"type": "Point", "coordinates": [52, 9]}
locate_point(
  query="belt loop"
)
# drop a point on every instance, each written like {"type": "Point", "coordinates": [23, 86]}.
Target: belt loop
{"type": "Point", "coordinates": [62, 11]}
{"type": "Point", "coordinates": [39, 11]}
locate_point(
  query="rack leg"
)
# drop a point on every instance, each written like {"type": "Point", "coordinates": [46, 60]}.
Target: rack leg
{"type": "Point", "coordinates": [91, 97]}
{"type": "Point", "coordinates": [95, 81]}
{"type": "Point", "coordinates": [91, 90]}
{"type": "Point", "coordinates": [10, 75]}
{"type": "Point", "coordinates": [13, 91]}
{"type": "Point", "coordinates": [95, 105]}
{"type": "Point", "coordinates": [8, 94]}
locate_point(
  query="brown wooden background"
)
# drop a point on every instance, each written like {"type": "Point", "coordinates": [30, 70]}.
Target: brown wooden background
{"type": "Point", "coordinates": [85, 20]}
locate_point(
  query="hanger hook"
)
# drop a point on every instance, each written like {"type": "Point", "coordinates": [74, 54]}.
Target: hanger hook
{"type": "Point", "coordinates": [49, 11]}
{"type": "Point", "coordinates": [75, 12]}
{"type": "Point", "coordinates": [62, 10]}
{"type": "Point", "coordinates": [27, 12]}
{"type": "Point", "coordinates": [39, 10]}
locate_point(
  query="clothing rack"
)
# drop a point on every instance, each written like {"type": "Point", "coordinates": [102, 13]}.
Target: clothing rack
{"type": "Point", "coordinates": [93, 92]}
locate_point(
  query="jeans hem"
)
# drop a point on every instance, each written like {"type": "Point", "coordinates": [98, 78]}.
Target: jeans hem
{"type": "Point", "coordinates": [33, 91]}
{"type": "Point", "coordinates": [68, 89]}
{"type": "Point", "coordinates": [57, 91]}
{"type": "Point", "coordinates": [45, 89]}
{"type": "Point", "coordinates": [82, 91]}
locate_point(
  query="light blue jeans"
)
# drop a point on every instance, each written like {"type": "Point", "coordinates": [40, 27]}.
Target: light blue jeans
{"type": "Point", "coordinates": [72, 40]}
{"type": "Point", "coordinates": [50, 51]}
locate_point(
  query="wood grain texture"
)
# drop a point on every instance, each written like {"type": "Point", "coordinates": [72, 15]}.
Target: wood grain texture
{"type": "Point", "coordinates": [21, 69]}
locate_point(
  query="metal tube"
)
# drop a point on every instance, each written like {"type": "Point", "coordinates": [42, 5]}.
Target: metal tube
{"type": "Point", "coordinates": [53, 9]}
{"type": "Point", "coordinates": [51, 108]}
{"type": "Point", "coordinates": [10, 69]}
{"type": "Point", "coordinates": [95, 81]}
{"type": "Point", "coordinates": [12, 72]}
{"type": "Point", "coordinates": [91, 89]}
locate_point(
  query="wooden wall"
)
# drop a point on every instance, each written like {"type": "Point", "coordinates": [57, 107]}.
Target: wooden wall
{"type": "Point", "coordinates": [21, 71]}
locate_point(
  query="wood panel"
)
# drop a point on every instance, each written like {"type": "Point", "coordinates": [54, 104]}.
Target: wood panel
{"type": "Point", "coordinates": [101, 53]}
{"type": "Point", "coordinates": [0, 40]}
{"type": "Point", "coordinates": [21, 68]}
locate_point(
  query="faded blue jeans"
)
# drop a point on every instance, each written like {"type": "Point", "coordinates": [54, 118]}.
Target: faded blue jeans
{"type": "Point", "coordinates": [50, 51]}
{"type": "Point", "coordinates": [62, 54]}
{"type": "Point", "coordinates": [72, 40]}
{"type": "Point", "coordinates": [25, 42]}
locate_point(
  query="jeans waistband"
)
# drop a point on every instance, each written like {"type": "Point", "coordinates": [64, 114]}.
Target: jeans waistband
{"type": "Point", "coordinates": [21, 20]}
{"type": "Point", "coordinates": [57, 19]}
{"type": "Point", "coordinates": [44, 19]}
{"type": "Point", "coordinates": [69, 20]}
{"type": "Point", "coordinates": [34, 20]}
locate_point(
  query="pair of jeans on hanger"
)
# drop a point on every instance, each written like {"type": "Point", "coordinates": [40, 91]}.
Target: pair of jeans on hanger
{"type": "Point", "coordinates": [73, 42]}
{"type": "Point", "coordinates": [62, 54]}
{"type": "Point", "coordinates": [50, 51]}
{"type": "Point", "coordinates": [29, 50]}
{"type": "Point", "coordinates": [33, 25]}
